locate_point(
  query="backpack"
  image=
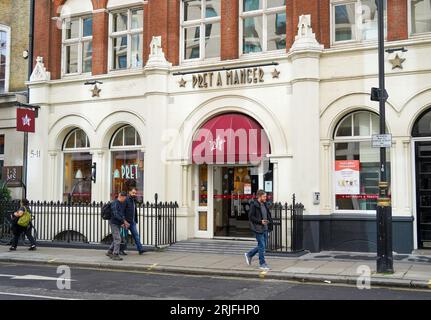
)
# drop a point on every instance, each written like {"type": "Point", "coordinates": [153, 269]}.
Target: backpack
{"type": "Point", "coordinates": [106, 211]}
{"type": "Point", "coordinates": [25, 219]}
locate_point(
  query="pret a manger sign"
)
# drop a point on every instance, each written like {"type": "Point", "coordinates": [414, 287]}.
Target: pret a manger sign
{"type": "Point", "coordinates": [228, 78]}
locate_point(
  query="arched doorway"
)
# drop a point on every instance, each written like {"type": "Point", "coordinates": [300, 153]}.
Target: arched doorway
{"type": "Point", "coordinates": [230, 156]}
{"type": "Point", "coordinates": [421, 134]}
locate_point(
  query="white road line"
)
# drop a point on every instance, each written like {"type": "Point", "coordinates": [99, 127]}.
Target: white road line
{"type": "Point", "coordinates": [33, 296]}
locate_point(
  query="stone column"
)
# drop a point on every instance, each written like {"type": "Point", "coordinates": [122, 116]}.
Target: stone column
{"type": "Point", "coordinates": [305, 57]}
{"type": "Point", "coordinates": [97, 189]}
{"type": "Point", "coordinates": [326, 181]}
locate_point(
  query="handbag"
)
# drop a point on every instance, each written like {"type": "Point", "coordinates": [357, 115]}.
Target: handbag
{"type": "Point", "coordinates": [25, 219]}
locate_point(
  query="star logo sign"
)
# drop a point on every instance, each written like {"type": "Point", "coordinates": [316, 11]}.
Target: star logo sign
{"type": "Point", "coordinates": [217, 144]}
{"type": "Point", "coordinates": [26, 121]}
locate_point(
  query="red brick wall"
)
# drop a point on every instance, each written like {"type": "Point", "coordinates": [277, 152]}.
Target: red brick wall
{"type": "Point", "coordinates": [397, 20]}
{"type": "Point", "coordinates": [100, 42]}
{"type": "Point", "coordinates": [42, 23]}
{"type": "Point", "coordinates": [173, 54]}
{"type": "Point", "coordinates": [229, 29]}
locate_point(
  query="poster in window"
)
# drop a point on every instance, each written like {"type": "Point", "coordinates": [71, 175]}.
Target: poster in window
{"type": "Point", "coordinates": [347, 177]}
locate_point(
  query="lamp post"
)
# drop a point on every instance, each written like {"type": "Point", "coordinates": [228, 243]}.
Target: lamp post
{"type": "Point", "coordinates": [384, 209]}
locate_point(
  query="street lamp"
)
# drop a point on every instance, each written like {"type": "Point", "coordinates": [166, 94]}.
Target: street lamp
{"type": "Point", "coordinates": [384, 209]}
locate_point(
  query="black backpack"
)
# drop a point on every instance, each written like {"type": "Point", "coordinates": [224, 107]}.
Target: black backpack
{"type": "Point", "coordinates": [106, 211]}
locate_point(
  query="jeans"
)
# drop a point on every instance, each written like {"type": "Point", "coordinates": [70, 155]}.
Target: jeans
{"type": "Point", "coordinates": [18, 231]}
{"type": "Point", "coordinates": [116, 239]}
{"type": "Point", "coordinates": [262, 240]}
{"type": "Point", "coordinates": [135, 235]}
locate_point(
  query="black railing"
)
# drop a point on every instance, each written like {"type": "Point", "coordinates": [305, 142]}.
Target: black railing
{"type": "Point", "coordinates": [287, 235]}
{"type": "Point", "coordinates": [70, 222]}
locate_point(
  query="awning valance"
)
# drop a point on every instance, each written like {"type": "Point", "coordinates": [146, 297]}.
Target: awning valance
{"type": "Point", "coordinates": [230, 139]}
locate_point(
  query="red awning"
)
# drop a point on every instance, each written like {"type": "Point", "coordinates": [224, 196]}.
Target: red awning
{"type": "Point", "coordinates": [230, 139]}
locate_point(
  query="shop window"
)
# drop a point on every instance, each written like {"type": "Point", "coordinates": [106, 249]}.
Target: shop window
{"type": "Point", "coordinates": [127, 162]}
{"type": "Point", "coordinates": [422, 127]}
{"type": "Point", "coordinates": [203, 185]}
{"type": "Point", "coordinates": [200, 29]}
{"type": "Point", "coordinates": [1, 156]}
{"type": "Point", "coordinates": [420, 16]}
{"type": "Point", "coordinates": [77, 167]}
{"type": "Point", "coordinates": [77, 45]}
{"type": "Point", "coordinates": [357, 163]}
{"type": "Point", "coordinates": [4, 58]}
{"type": "Point", "coordinates": [263, 25]}
{"type": "Point", "coordinates": [355, 20]}
{"type": "Point", "coordinates": [126, 38]}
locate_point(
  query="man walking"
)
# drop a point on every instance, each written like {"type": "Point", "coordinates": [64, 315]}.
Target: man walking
{"type": "Point", "coordinates": [131, 217]}
{"type": "Point", "coordinates": [261, 224]}
{"type": "Point", "coordinates": [118, 220]}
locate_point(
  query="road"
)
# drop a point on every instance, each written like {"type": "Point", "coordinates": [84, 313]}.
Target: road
{"type": "Point", "coordinates": [24, 282]}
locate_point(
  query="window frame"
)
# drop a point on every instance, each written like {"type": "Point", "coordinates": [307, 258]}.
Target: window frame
{"type": "Point", "coordinates": [357, 32]}
{"type": "Point", "coordinates": [129, 32]}
{"type": "Point", "coordinates": [264, 13]}
{"type": "Point", "coordinates": [410, 24]}
{"type": "Point", "coordinates": [125, 147]}
{"type": "Point", "coordinates": [350, 139]}
{"type": "Point", "coordinates": [202, 22]}
{"type": "Point", "coordinates": [7, 29]}
{"type": "Point", "coordinates": [80, 40]}
{"type": "Point", "coordinates": [75, 149]}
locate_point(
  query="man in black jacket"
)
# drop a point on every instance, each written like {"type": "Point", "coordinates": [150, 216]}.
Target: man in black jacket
{"type": "Point", "coordinates": [261, 224]}
{"type": "Point", "coordinates": [117, 221]}
{"type": "Point", "coordinates": [131, 217]}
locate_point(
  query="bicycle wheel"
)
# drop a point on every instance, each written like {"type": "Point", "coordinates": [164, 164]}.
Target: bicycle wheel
{"type": "Point", "coordinates": [6, 234]}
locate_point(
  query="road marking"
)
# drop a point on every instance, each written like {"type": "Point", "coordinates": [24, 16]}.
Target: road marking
{"type": "Point", "coordinates": [35, 277]}
{"type": "Point", "coordinates": [7, 275]}
{"type": "Point", "coordinates": [33, 296]}
{"type": "Point", "coordinates": [152, 266]}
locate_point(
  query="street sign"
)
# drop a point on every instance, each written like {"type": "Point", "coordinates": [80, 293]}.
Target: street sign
{"type": "Point", "coordinates": [382, 140]}
{"type": "Point", "coordinates": [25, 120]}
{"type": "Point", "coordinates": [13, 175]}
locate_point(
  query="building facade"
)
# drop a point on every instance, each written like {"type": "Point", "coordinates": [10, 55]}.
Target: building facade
{"type": "Point", "coordinates": [206, 101]}
{"type": "Point", "coordinates": [14, 40]}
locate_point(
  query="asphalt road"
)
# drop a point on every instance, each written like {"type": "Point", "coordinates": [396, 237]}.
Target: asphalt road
{"type": "Point", "coordinates": [27, 282]}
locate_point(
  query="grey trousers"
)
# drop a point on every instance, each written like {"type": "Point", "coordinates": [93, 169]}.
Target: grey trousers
{"type": "Point", "coordinates": [116, 236]}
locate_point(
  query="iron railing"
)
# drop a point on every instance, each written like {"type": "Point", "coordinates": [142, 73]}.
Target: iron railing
{"type": "Point", "coordinates": [287, 235]}
{"type": "Point", "coordinates": [68, 222]}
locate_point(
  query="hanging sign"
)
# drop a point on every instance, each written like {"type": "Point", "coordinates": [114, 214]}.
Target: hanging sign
{"type": "Point", "coordinates": [13, 175]}
{"type": "Point", "coordinates": [25, 120]}
{"type": "Point", "coordinates": [347, 177]}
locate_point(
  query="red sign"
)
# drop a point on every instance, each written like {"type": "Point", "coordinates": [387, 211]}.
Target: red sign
{"type": "Point", "coordinates": [25, 120]}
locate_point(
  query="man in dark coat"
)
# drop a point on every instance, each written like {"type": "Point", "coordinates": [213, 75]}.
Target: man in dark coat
{"type": "Point", "coordinates": [261, 224]}
{"type": "Point", "coordinates": [118, 221]}
{"type": "Point", "coordinates": [131, 217]}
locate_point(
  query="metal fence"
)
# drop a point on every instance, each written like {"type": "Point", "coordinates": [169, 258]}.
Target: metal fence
{"type": "Point", "coordinates": [287, 235]}
{"type": "Point", "coordinates": [82, 223]}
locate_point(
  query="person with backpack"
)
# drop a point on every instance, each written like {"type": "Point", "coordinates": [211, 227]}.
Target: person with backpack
{"type": "Point", "coordinates": [21, 223]}
{"type": "Point", "coordinates": [261, 224]}
{"type": "Point", "coordinates": [117, 221]}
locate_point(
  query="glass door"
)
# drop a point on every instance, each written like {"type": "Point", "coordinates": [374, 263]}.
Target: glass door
{"type": "Point", "coordinates": [203, 190]}
{"type": "Point", "coordinates": [423, 193]}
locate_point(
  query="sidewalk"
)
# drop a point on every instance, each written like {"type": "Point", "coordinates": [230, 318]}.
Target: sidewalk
{"type": "Point", "coordinates": [323, 267]}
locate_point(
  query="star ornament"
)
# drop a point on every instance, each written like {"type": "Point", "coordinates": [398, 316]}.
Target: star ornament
{"type": "Point", "coordinates": [397, 62]}
{"type": "Point", "coordinates": [26, 121]}
{"type": "Point", "coordinates": [182, 83]}
{"type": "Point", "coordinates": [95, 91]}
{"type": "Point", "coordinates": [276, 74]}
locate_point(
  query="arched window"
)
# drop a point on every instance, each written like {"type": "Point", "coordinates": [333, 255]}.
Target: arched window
{"type": "Point", "coordinates": [357, 163]}
{"type": "Point", "coordinates": [127, 161]}
{"type": "Point", "coordinates": [77, 167]}
{"type": "Point", "coordinates": [422, 127]}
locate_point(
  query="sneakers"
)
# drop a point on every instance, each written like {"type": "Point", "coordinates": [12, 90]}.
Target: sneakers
{"type": "Point", "coordinates": [141, 252]}
{"type": "Point", "coordinates": [12, 249]}
{"type": "Point", "coordinates": [247, 259]}
{"type": "Point", "coordinates": [264, 267]}
{"type": "Point", "coordinates": [32, 248]}
{"type": "Point", "coordinates": [116, 257]}
{"type": "Point", "coordinates": [109, 254]}
{"type": "Point", "coordinates": [123, 253]}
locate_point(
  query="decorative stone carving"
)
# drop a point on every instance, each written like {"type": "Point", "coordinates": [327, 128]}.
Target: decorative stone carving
{"type": "Point", "coordinates": [157, 56]}
{"type": "Point", "coordinates": [39, 71]}
{"type": "Point", "coordinates": [305, 40]}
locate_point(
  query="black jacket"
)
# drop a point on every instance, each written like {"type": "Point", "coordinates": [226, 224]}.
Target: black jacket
{"type": "Point", "coordinates": [118, 210]}
{"type": "Point", "coordinates": [131, 210]}
{"type": "Point", "coordinates": [255, 217]}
